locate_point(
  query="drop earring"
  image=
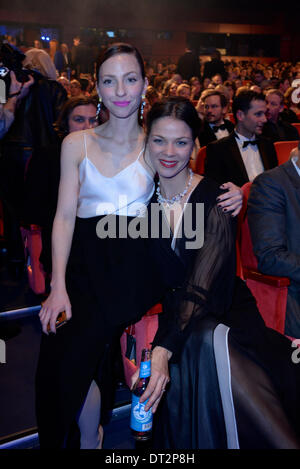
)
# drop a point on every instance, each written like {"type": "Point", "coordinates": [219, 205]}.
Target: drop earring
{"type": "Point", "coordinates": [98, 107]}
{"type": "Point", "coordinates": [142, 106]}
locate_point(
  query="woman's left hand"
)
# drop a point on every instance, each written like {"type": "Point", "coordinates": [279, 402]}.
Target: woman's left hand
{"type": "Point", "coordinates": [232, 200]}
{"type": "Point", "coordinates": [159, 378]}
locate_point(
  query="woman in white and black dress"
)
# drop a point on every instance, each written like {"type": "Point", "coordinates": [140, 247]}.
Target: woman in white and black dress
{"type": "Point", "coordinates": [224, 379]}
{"type": "Point", "coordinates": [103, 285]}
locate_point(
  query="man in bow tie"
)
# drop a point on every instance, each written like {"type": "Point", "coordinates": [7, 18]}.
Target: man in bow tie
{"type": "Point", "coordinates": [244, 154]}
{"type": "Point", "coordinates": [214, 126]}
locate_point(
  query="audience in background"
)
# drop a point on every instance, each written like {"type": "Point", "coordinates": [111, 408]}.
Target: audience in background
{"type": "Point", "coordinates": [75, 88]}
{"type": "Point", "coordinates": [184, 90]}
{"type": "Point", "coordinates": [213, 85]}
{"type": "Point", "coordinates": [244, 154]}
{"type": "Point", "coordinates": [276, 129]}
{"type": "Point", "coordinates": [195, 88]}
{"type": "Point", "coordinates": [214, 125]}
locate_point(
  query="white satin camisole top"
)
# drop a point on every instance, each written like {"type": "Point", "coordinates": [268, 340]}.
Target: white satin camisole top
{"type": "Point", "coordinates": [127, 193]}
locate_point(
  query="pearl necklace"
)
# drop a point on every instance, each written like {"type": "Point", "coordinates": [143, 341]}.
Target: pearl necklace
{"type": "Point", "coordinates": [176, 197]}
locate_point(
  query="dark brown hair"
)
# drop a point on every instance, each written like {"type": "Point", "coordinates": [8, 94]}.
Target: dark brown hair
{"type": "Point", "coordinates": [61, 126]}
{"type": "Point", "coordinates": [242, 101]}
{"type": "Point", "coordinates": [176, 107]}
{"type": "Point", "coordinates": [120, 48]}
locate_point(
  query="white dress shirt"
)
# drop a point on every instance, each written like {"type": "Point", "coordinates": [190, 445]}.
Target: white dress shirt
{"type": "Point", "coordinates": [250, 155]}
{"type": "Point", "coordinates": [294, 160]}
{"type": "Point", "coordinates": [220, 133]}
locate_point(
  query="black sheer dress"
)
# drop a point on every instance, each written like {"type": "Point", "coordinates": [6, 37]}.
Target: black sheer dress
{"type": "Point", "coordinates": [233, 382]}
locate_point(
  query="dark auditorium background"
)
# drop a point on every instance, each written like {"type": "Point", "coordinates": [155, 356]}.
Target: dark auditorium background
{"type": "Point", "coordinates": [161, 28]}
{"type": "Point", "coordinates": [252, 30]}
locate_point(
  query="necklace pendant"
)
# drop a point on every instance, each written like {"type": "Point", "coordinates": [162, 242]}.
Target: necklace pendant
{"type": "Point", "coordinates": [177, 197]}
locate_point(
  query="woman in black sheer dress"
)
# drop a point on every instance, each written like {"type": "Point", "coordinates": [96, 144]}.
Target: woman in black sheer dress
{"type": "Point", "coordinates": [224, 380]}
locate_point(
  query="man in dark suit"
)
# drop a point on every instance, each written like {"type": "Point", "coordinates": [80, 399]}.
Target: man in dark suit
{"type": "Point", "coordinates": [276, 129]}
{"type": "Point", "coordinates": [214, 126]}
{"type": "Point", "coordinates": [274, 221]}
{"type": "Point", "coordinates": [188, 65]}
{"type": "Point", "coordinates": [62, 59]}
{"type": "Point", "coordinates": [214, 66]}
{"type": "Point", "coordinates": [244, 154]}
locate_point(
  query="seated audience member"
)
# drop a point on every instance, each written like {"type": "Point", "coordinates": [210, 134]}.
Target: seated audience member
{"type": "Point", "coordinates": [230, 85]}
{"type": "Point", "coordinates": [152, 95]}
{"type": "Point", "coordinates": [65, 83]}
{"type": "Point", "coordinates": [276, 129]}
{"type": "Point", "coordinates": [75, 89]}
{"type": "Point", "coordinates": [274, 220]}
{"type": "Point", "coordinates": [217, 79]}
{"type": "Point", "coordinates": [177, 78]}
{"type": "Point", "coordinates": [255, 88]}
{"type": "Point", "coordinates": [159, 82]}
{"type": "Point", "coordinates": [244, 154]}
{"type": "Point", "coordinates": [291, 109]}
{"type": "Point", "coordinates": [206, 82]}
{"type": "Point", "coordinates": [243, 89]}
{"type": "Point", "coordinates": [283, 84]}
{"type": "Point", "coordinates": [184, 90]}
{"type": "Point", "coordinates": [195, 88]}
{"type": "Point", "coordinates": [225, 91]}
{"type": "Point", "coordinates": [169, 88]}
{"type": "Point", "coordinates": [84, 85]}
{"type": "Point", "coordinates": [214, 126]}
{"type": "Point", "coordinates": [258, 77]}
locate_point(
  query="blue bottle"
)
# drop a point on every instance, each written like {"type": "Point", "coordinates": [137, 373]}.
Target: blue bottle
{"type": "Point", "coordinates": [140, 420]}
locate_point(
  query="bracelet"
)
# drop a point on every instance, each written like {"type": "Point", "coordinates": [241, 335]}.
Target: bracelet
{"type": "Point", "coordinates": [12, 95]}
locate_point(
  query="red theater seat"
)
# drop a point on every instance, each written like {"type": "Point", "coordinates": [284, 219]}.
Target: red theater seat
{"type": "Point", "coordinates": [269, 291]}
{"type": "Point", "coordinates": [143, 332]}
{"type": "Point", "coordinates": [32, 241]}
{"type": "Point", "coordinates": [297, 125]}
{"type": "Point", "coordinates": [230, 117]}
{"type": "Point", "coordinates": [283, 150]}
{"type": "Point", "coordinates": [200, 160]}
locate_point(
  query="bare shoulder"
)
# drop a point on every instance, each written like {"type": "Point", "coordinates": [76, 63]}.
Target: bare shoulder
{"type": "Point", "coordinates": [73, 146]}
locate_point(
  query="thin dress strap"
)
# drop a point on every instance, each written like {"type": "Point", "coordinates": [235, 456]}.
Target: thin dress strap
{"type": "Point", "coordinates": [142, 150]}
{"type": "Point", "coordinates": [84, 138]}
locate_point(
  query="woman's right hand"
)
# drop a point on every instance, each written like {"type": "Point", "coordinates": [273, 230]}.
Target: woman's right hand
{"type": "Point", "coordinates": [57, 302]}
{"type": "Point", "coordinates": [159, 378]}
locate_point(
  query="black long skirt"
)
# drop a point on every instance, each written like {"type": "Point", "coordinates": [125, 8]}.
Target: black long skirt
{"type": "Point", "coordinates": [235, 386]}
{"type": "Point", "coordinates": [111, 284]}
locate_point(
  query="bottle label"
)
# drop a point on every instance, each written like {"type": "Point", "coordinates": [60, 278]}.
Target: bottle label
{"type": "Point", "coordinates": [145, 369]}
{"type": "Point", "coordinates": [140, 420]}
